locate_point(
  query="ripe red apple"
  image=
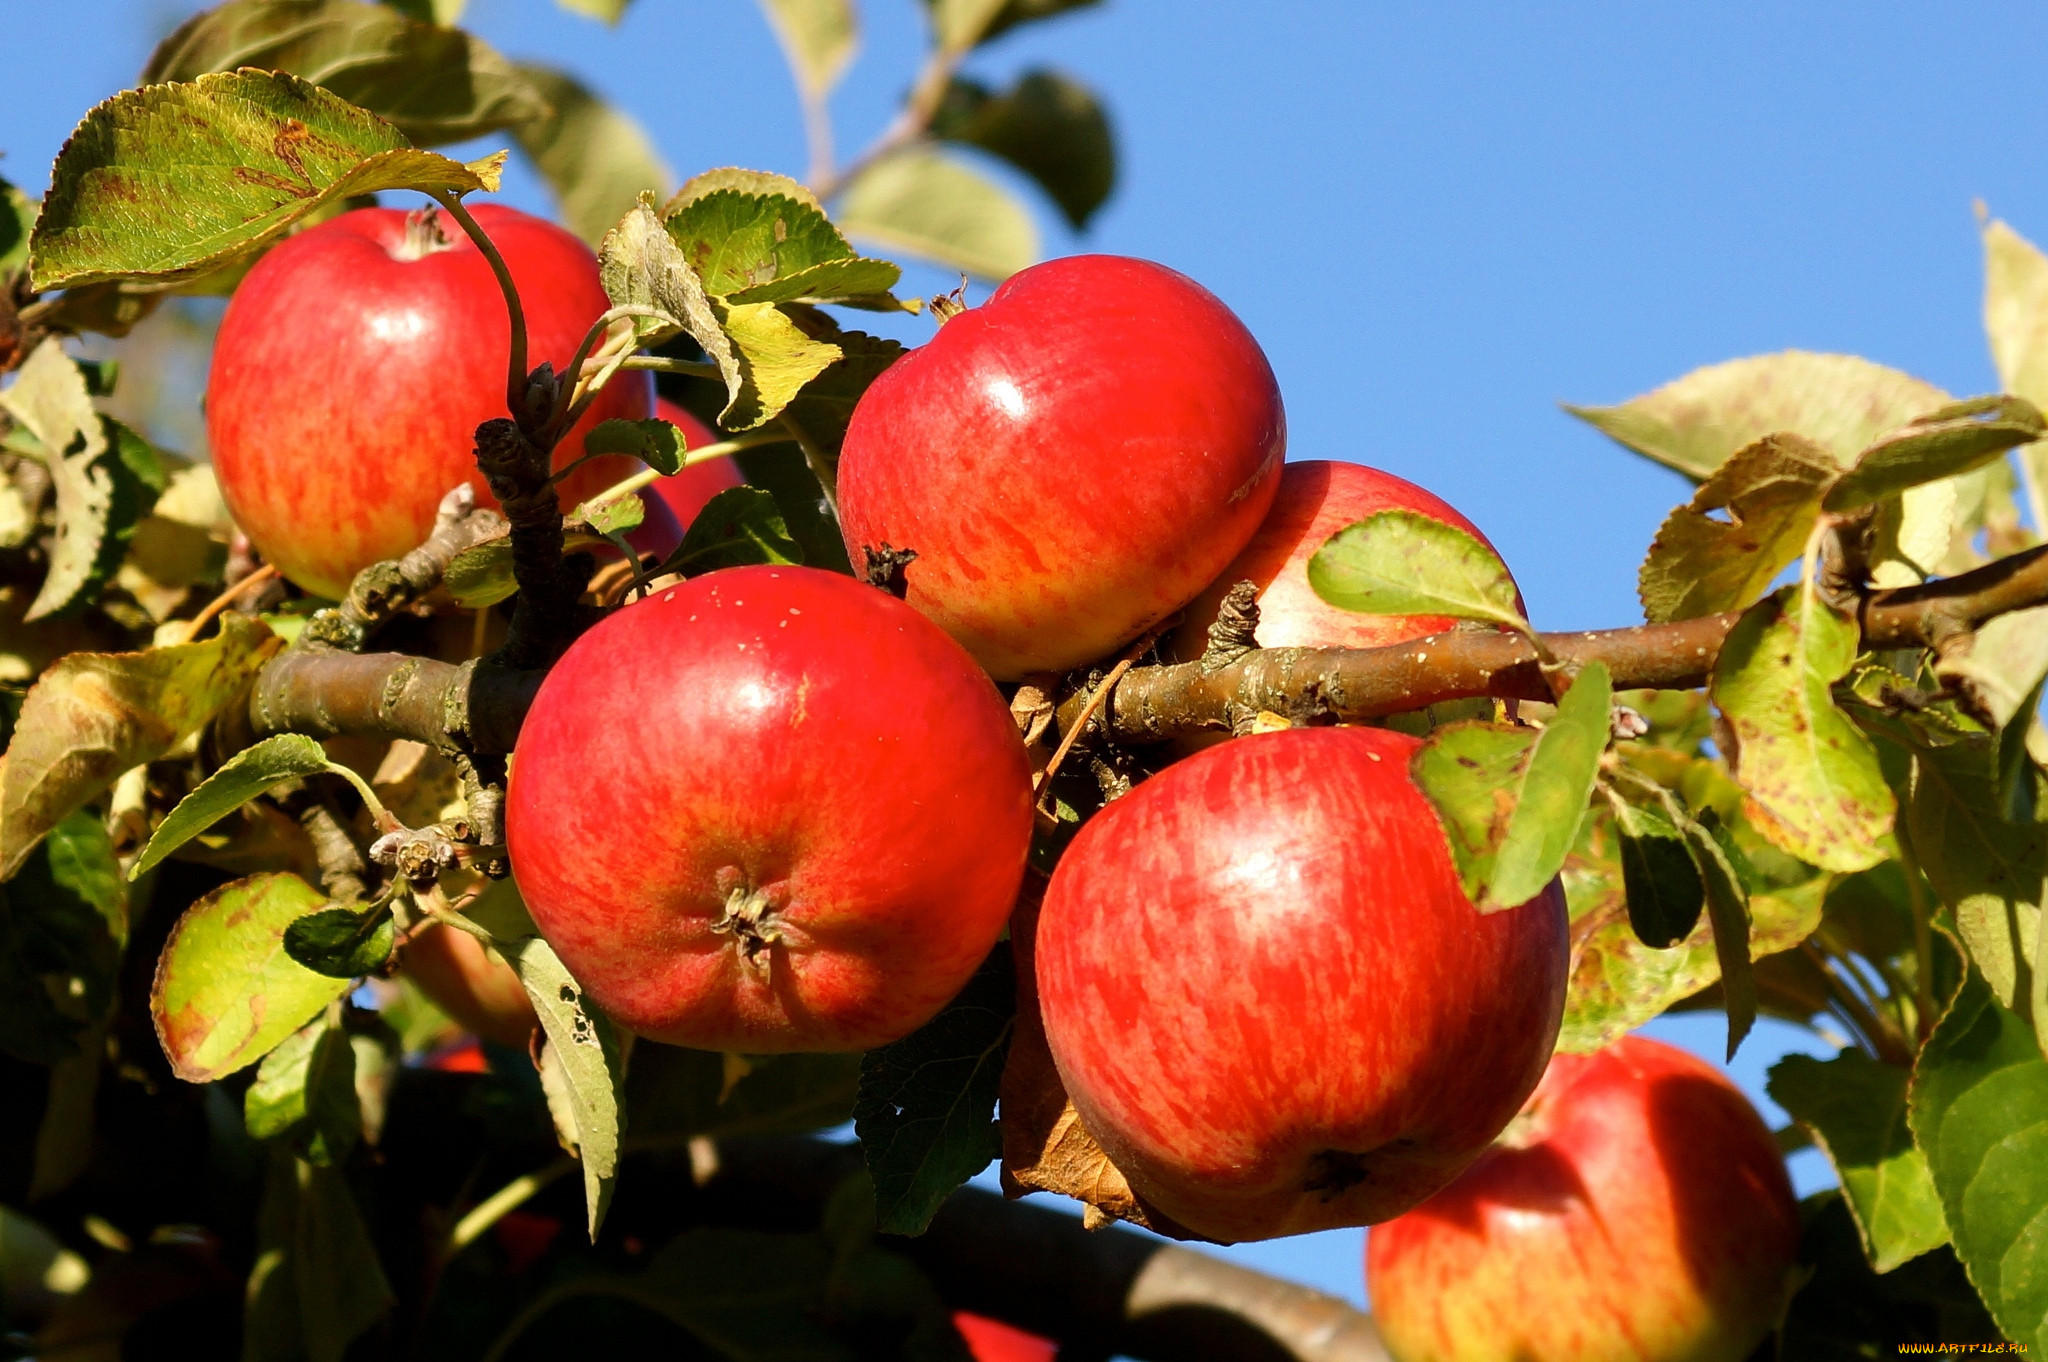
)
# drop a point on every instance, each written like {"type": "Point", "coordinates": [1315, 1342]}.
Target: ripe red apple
{"type": "Point", "coordinates": [474, 987]}
{"type": "Point", "coordinates": [355, 363]}
{"type": "Point", "coordinates": [991, 1340]}
{"type": "Point", "coordinates": [687, 492]}
{"type": "Point", "coordinates": [1268, 997]}
{"type": "Point", "coordinates": [769, 809]}
{"type": "Point", "coordinates": [1317, 498]}
{"type": "Point", "coordinates": [1071, 461]}
{"type": "Point", "coordinates": [1636, 1211]}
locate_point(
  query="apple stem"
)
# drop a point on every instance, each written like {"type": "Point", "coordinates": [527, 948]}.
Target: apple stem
{"type": "Point", "coordinates": [822, 468]}
{"type": "Point", "coordinates": [515, 378]}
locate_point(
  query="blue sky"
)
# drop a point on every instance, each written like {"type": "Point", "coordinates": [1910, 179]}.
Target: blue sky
{"type": "Point", "coordinates": [1440, 219]}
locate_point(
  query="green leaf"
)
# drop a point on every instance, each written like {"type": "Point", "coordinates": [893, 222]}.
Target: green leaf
{"type": "Point", "coordinates": [784, 472]}
{"type": "Point", "coordinates": [446, 12]}
{"type": "Point", "coordinates": [305, 1090]}
{"type": "Point", "coordinates": [1407, 563]}
{"type": "Point", "coordinates": [1017, 12]}
{"type": "Point", "coordinates": [926, 1110]}
{"type": "Point", "coordinates": [1979, 1108]}
{"type": "Point", "coordinates": [654, 442]}
{"type": "Point", "coordinates": [63, 923]}
{"type": "Point", "coordinates": [1988, 871]}
{"type": "Point", "coordinates": [1663, 886]}
{"type": "Point", "coordinates": [752, 183]}
{"type": "Point", "coordinates": [931, 205]}
{"type": "Point", "coordinates": [1697, 422]}
{"type": "Point", "coordinates": [1769, 495]}
{"type": "Point", "coordinates": [818, 37]}
{"type": "Point", "coordinates": [1951, 440]}
{"type": "Point", "coordinates": [641, 265]}
{"type": "Point", "coordinates": [613, 515]}
{"type": "Point", "coordinates": [608, 11]}
{"type": "Point", "coordinates": [2016, 319]}
{"type": "Point", "coordinates": [1470, 771]}
{"type": "Point", "coordinates": [775, 359]}
{"type": "Point", "coordinates": [739, 526]}
{"type": "Point", "coordinates": [1728, 915]}
{"type": "Point", "coordinates": [1856, 1108]}
{"type": "Point", "coordinates": [170, 182]}
{"type": "Point", "coordinates": [752, 248]}
{"type": "Point", "coordinates": [226, 993]}
{"type": "Point", "coordinates": [343, 943]}
{"type": "Point", "coordinates": [587, 1047]}
{"type": "Point", "coordinates": [91, 716]}
{"type": "Point", "coordinates": [1618, 983]}
{"type": "Point", "coordinates": [435, 84]}
{"type": "Point", "coordinates": [1812, 778]}
{"type": "Point", "coordinates": [824, 408]}
{"type": "Point", "coordinates": [1048, 125]}
{"type": "Point", "coordinates": [482, 574]}
{"type": "Point", "coordinates": [17, 220]}
{"type": "Point", "coordinates": [1846, 1312]}
{"type": "Point", "coordinates": [595, 156]}
{"type": "Point", "coordinates": [288, 756]}
{"type": "Point", "coordinates": [2003, 664]}
{"type": "Point", "coordinates": [959, 24]}
{"type": "Point", "coordinates": [316, 1284]}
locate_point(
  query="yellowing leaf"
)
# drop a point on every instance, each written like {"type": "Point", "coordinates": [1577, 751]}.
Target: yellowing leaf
{"type": "Point", "coordinates": [169, 182]}
{"type": "Point", "coordinates": [931, 205]}
{"type": "Point", "coordinates": [2016, 319]}
{"type": "Point", "coordinates": [775, 360]}
{"type": "Point", "coordinates": [1695, 423]}
{"type": "Point", "coordinates": [1948, 441]}
{"type": "Point", "coordinates": [1812, 779]}
{"type": "Point", "coordinates": [1768, 494]}
{"type": "Point", "coordinates": [818, 37]}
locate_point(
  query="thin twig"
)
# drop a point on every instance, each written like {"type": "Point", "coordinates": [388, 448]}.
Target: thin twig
{"type": "Point", "coordinates": [266, 573]}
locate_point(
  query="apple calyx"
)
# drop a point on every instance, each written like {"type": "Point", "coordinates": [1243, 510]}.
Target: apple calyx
{"type": "Point", "coordinates": [424, 235]}
{"type": "Point", "coordinates": [946, 306]}
{"type": "Point", "coordinates": [1335, 1171]}
{"type": "Point", "coordinates": [750, 919]}
{"type": "Point", "coordinates": [887, 568]}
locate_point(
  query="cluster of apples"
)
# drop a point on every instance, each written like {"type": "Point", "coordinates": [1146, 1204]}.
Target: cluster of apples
{"type": "Point", "coordinates": [776, 809]}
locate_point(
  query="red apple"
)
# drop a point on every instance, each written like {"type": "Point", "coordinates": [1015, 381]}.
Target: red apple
{"type": "Point", "coordinates": [689, 491]}
{"type": "Point", "coordinates": [769, 809]}
{"type": "Point", "coordinates": [1317, 498]}
{"type": "Point", "coordinates": [991, 1340]}
{"type": "Point", "coordinates": [355, 363]}
{"type": "Point", "coordinates": [1270, 1000]}
{"type": "Point", "coordinates": [1071, 461]}
{"type": "Point", "coordinates": [1636, 1211]}
{"type": "Point", "coordinates": [472, 985]}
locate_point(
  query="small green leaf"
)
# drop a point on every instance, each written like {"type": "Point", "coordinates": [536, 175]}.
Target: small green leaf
{"type": "Point", "coordinates": [343, 943]}
{"type": "Point", "coordinates": [1728, 916]}
{"type": "Point", "coordinates": [1407, 563]}
{"type": "Point", "coordinates": [818, 37]}
{"type": "Point", "coordinates": [1552, 793]}
{"type": "Point", "coordinates": [739, 526]}
{"type": "Point", "coordinates": [926, 1110]}
{"type": "Point", "coordinates": [1697, 422]}
{"type": "Point", "coordinates": [482, 574]}
{"type": "Point", "coordinates": [305, 1090]}
{"type": "Point", "coordinates": [931, 205]}
{"type": "Point", "coordinates": [751, 183]}
{"type": "Point", "coordinates": [91, 716]}
{"type": "Point", "coordinates": [595, 156]}
{"type": "Point", "coordinates": [226, 993]}
{"type": "Point", "coordinates": [170, 182]}
{"type": "Point", "coordinates": [784, 473]}
{"type": "Point", "coordinates": [1856, 1108]}
{"type": "Point", "coordinates": [1988, 871]}
{"type": "Point", "coordinates": [288, 756]}
{"type": "Point", "coordinates": [1979, 1108]}
{"type": "Point", "coordinates": [587, 1048]}
{"type": "Point", "coordinates": [1769, 495]}
{"type": "Point", "coordinates": [754, 248]}
{"type": "Point", "coordinates": [1665, 892]}
{"type": "Point", "coordinates": [1942, 444]}
{"type": "Point", "coordinates": [654, 442]}
{"type": "Point", "coordinates": [776, 358]}
{"type": "Point", "coordinates": [436, 84]}
{"type": "Point", "coordinates": [641, 265]}
{"type": "Point", "coordinates": [1812, 778]}
{"type": "Point", "coordinates": [1048, 125]}
{"type": "Point", "coordinates": [614, 515]}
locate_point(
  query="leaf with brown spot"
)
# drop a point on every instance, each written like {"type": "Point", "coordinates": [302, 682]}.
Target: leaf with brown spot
{"type": "Point", "coordinates": [94, 715]}
{"type": "Point", "coordinates": [1702, 564]}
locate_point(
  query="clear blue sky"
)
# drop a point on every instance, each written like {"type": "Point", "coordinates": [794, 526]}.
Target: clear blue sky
{"type": "Point", "coordinates": [1440, 220]}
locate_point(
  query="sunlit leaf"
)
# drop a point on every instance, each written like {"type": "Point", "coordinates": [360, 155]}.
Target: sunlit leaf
{"type": "Point", "coordinates": [1979, 1108]}
{"type": "Point", "coordinates": [2005, 660]}
{"type": "Point", "coordinates": [288, 756]}
{"type": "Point", "coordinates": [818, 37]}
{"type": "Point", "coordinates": [1812, 778]}
{"type": "Point", "coordinates": [226, 993]}
{"type": "Point", "coordinates": [1767, 496]}
{"type": "Point", "coordinates": [170, 182]}
{"type": "Point", "coordinates": [775, 358]}
{"type": "Point", "coordinates": [435, 84]}
{"type": "Point", "coordinates": [1407, 563]}
{"type": "Point", "coordinates": [739, 526]}
{"type": "Point", "coordinates": [92, 716]}
{"type": "Point", "coordinates": [1695, 423]}
{"type": "Point", "coordinates": [305, 1090]}
{"type": "Point", "coordinates": [751, 248]}
{"type": "Point", "coordinates": [609, 11]}
{"type": "Point", "coordinates": [1948, 441]}
{"type": "Point", "coordinates": [753, 183]}
{"type": "Point", "coordinates": [654, 442]}
{"type": "Point", "coordinates": [482, 574]}
{"type": "Point", "coordinates": [1048, 125]}
{"type": "Point", "coordinates": [926, 1110]}
{"type": "Point", "coordinates": [343, 943]}
{"type": "Point", "coordinates": [2016, 319]}
{"type": "Point", "coordinates": [1856, 1108]}
{"type": "Point", "coordinates": [927, 204]}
